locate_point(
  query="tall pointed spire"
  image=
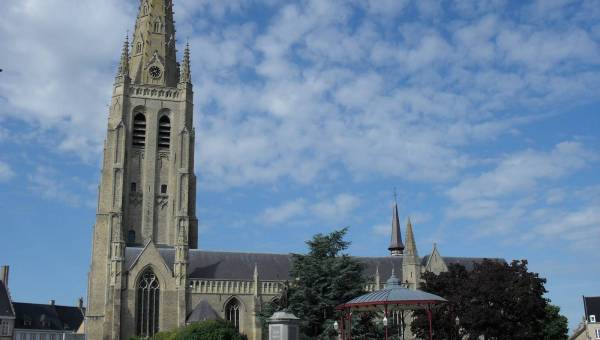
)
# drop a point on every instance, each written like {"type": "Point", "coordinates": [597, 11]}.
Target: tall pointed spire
{"type": "Point", "coordinates": [124, 62]}
{"type": "Point", "coordinates": [396, 247]}
{"type": "Point", "coordinates": [411, 245]}
{"type": "Point", "coordinates": [153, 56]}
{"type": "Point", "coordinates": [186, 73]}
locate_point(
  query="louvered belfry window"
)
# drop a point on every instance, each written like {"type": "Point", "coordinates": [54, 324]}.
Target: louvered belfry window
{"type": "Point", "coordinates": [139, 130]}
{"type": "Point", "coordinates": [148, 300]}
{"type": "Point", "coordinates": [164, 133]}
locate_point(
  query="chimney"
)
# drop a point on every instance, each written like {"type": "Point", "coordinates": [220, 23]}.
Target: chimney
{"type": "Point", "coordinates": [52, 302]}
{"type": "Point", "coordinates": [4, 275]}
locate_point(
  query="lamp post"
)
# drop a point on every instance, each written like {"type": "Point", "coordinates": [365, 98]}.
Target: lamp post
{"type": "Point", "coordinates": [385, 324]}
{"type": "Point", "coordinates": [336, 327]}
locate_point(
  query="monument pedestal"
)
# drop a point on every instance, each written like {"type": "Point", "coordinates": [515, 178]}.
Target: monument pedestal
{"type": "Point", "coordinates": [284, 326]}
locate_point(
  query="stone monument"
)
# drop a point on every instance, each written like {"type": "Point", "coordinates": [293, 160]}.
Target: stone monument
{"type": "Point", "coordinates": [284, 326]}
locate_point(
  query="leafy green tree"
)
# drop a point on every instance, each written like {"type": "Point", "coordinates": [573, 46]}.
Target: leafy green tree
{"type": "Point", "coordinates": [452, 286]}
{"type": "Point", "coordinates": [555, 325]}
{"type": "Point", "coordinates": [324, 279]}
{"type": "Point", "coordinates": [495, 300]}
{"type": "Point", "coordinates": [204, 330]}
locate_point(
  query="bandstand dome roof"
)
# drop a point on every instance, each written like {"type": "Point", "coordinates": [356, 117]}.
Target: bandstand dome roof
{"type": "Point", "coordinates": [394, 294]}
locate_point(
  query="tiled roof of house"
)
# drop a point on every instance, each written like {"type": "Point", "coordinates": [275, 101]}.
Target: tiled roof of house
{"type": "Point", "coordinates": [5, 304]}
{"type": "Point", "coordinates": [47, 316]}
{"type": "Point", "coordinates": [591, 305]}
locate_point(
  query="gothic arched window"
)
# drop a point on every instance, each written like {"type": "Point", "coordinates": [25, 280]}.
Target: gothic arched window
{"type": "Point", "coordinates": [232, 313]}
{"type": "Point", "coordinates": [164, 133]}
{"type": "Point", "coordinates": [148, 297]}
{"type": "Point", "coordinates": [139, 130]}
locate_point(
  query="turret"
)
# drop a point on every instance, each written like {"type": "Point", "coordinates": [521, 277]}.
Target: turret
{"type": "Point", "coordinates": [411, 245]}
{"type": "Point", "coordinates": [186, 72]}
{"type": "Point", "coordinates": [396, 247]}
{"type": "Point", "coordinates": [123, 70]}
{"type": "Point", "coordinates": [411, 264]}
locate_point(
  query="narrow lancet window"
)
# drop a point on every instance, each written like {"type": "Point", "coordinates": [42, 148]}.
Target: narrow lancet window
{"type": "Point", "coordinates": [232, 313]}
{"type": "Point", "coordinates": [139, 130]}
{"type": "Point", "coordinates": [131, 236]}
{"type": "Point", "coordinates": [164, 133]}
{"type": "Point", "coordinates": [148, 299]}
{"type": "Point", "coordinates": [157, 26]}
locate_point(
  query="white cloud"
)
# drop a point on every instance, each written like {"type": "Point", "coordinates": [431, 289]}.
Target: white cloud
{"type": "Point", "coordinates": [58, 66]}
{"type": "Point", "coordinates": [579, 225]}
{"type": "Point", "coordinates": [338, 208]}
{"type": "Point", "coordinates": [522, 171]}
{"type": "Point", "coordinates": [311, 88]}
{"type": "Point", "coordinates": [284, 212]}
{"type": "Point", "coordinates": [382, 230]}
{"type": "Point", "coordinates": [333, 209]}
{"type": "Point", "coordinates": [47, 182]}
{"type": "Point", "coordinates": [6, 172]}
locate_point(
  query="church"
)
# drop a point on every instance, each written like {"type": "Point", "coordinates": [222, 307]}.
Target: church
{"type": "Point", "coordinates": [147, 273]}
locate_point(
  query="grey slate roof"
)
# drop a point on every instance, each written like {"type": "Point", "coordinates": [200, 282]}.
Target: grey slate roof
{"type": "Point", "coordinates": [202, 312]}
{"type": "Point", "coordinates": [5, 304]}
{"type": "Point", "coordinates": [51, 317]}
{"type": "Point", "coordinates": [240, 266]}
{"type": "Point", "coordinates": [591, 304]}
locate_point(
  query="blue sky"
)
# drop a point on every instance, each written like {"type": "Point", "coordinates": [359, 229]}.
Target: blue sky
{"type": "Point", "coordinates": [483, 114]}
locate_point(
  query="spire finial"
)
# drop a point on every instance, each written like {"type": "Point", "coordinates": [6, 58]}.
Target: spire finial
{"type": "Point", "coordinates": [124, 62]}
{"type": "Point", "coordinates": [186, 73]}
{"type": "Point", "coordinates": [396, 247]}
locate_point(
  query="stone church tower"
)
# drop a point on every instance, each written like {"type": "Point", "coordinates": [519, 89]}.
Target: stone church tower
{"type": "Point", "coordinates": [146, 273]}
{"type": "Point", "coordinates": [147, 190]}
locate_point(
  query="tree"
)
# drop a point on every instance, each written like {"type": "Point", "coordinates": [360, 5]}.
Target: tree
{"type": "Point", "coordinates": [495, 300]}
{"type": "Point", "coordinates": [204, 330]}
{"type": "Point", "coordinates": [324, 278]}
{"type": "Point", "coordinates": [452, 286]}
{"type": "Point", "coordinates": [555, 324]}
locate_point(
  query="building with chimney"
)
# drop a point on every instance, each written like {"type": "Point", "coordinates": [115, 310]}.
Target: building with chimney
{"type": "Point", "coordinates": [34, 321]}
{"type": "Point", "coordinates": [147, 273]}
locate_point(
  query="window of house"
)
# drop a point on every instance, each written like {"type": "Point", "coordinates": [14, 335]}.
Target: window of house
{"type": "Point", "coordinates": [164, 133]}
{"type": "Point", "coordinates": [4, 328]}
{"type": "Point", "coordinates": [148, 298]}
{"type": "Point", "coordinates": [592, 318]}
{"type": "Point", "coordinates": [139, 130]}
{"type": "Point", "coordinates": [232, 313]}
{"type": "Point", "coordinates": [163, 189]}
{"type": "Point", "coordinates": [598, 334]}
{"type": "Point", "coordinates": [133, 187]}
